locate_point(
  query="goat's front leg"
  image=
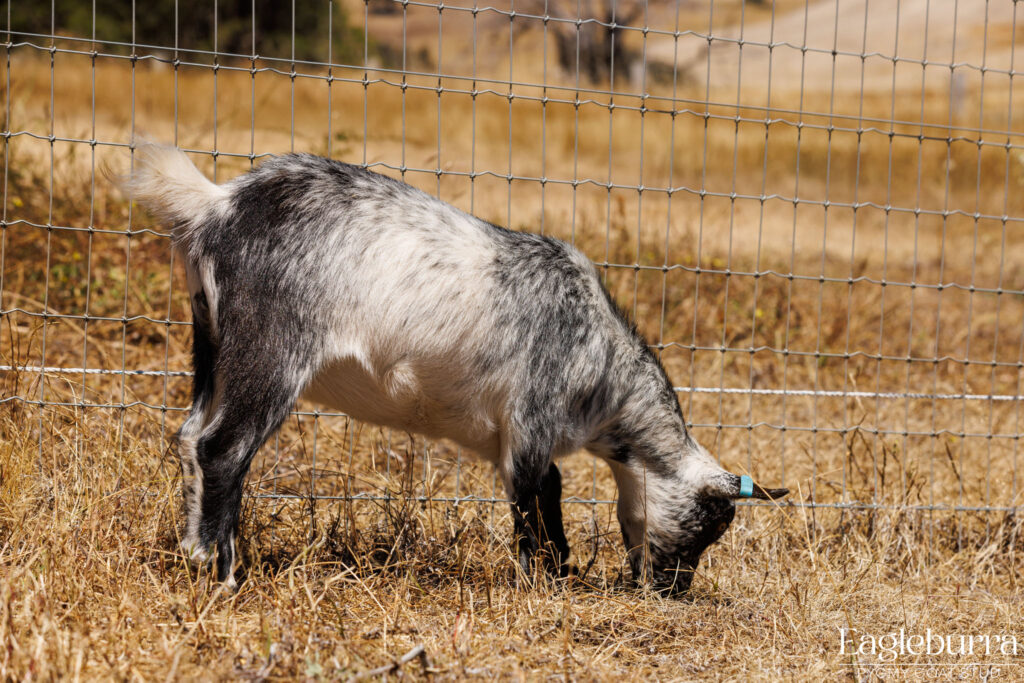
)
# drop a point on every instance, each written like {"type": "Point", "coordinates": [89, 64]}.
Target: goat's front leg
{"type": "Point", "coordinates": [537, 514]}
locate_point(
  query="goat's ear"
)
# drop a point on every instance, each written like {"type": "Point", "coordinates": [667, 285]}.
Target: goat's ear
{"type": "Point", "coordinates": [729, 485]}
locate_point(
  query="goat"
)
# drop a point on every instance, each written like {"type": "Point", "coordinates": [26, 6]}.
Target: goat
{"type": "Point", "coordinates": [314, 278]}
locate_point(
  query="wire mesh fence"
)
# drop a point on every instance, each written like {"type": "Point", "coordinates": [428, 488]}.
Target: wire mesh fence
{"type": "Point", "coordinates": [812, 210]}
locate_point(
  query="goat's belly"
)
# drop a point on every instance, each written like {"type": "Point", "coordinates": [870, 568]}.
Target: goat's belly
{"type": "Point", "coordinates": [397, 398]}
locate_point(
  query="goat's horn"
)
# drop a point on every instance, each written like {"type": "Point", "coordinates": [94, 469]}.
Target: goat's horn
{"type": "Point", "coordinates": [736, 486]}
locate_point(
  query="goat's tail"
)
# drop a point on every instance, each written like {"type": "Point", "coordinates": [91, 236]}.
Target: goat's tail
{"type": "Point", "coordinates": [166, 182]}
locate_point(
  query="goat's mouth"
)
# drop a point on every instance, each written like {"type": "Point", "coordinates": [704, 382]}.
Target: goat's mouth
{"type": "Point", "coordinates": [668, 580]}
{"type": "Point", "coordinates": [673, 581]}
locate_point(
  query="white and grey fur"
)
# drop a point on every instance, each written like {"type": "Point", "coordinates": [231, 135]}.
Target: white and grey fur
{"type": "Point", "coordinates": [315, 278]}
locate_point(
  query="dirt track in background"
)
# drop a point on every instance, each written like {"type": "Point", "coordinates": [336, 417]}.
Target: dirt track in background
{"type": "Point", "coordinates": [924, 31]}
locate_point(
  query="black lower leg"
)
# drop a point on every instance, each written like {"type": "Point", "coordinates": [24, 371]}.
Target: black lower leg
{"type": "Point", "coordinates": [551, 520]}
{"type": "Point", "coordinates": [224, 453]}
{"type": "Point", "coordinates": [221, 504]}
{"type": "Point", "coordinates": [537, 514]}
{"type": "Point", "coordinates": [220, 524]}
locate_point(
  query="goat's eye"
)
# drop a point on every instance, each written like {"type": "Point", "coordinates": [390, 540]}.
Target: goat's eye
{"type": "Point", "coordinates": [722, 527]}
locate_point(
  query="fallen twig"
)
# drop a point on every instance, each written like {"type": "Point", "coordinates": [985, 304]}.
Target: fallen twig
{"type": "Point", "coordinates": [412, 654]}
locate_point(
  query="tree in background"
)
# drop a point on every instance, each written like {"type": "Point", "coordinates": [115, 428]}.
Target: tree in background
{"type": "Point", "coordinates": [595, 48]}
{"type": "Point", "coordinates": [282, 30]}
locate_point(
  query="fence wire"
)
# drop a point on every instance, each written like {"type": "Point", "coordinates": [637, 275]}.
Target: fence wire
{"type": "Point", "coordinates": [812, 210]}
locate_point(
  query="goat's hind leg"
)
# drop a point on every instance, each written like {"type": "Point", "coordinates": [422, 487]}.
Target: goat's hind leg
{"type": "Point", "coordinates": [251, 407]}
{"type": "Point", "coordinates": [192, 482]}
{"type": "Point", "coordinates": [204, 356]}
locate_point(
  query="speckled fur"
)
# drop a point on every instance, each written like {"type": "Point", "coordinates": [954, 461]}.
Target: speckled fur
{"type": "Point", "coordinates": [316, 278]}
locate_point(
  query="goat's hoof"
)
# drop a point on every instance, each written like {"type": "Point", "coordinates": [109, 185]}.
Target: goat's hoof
{"type": "Point", "coordinates": [231, 586]}
{"type": "Point", "coordinates": [195, 552]}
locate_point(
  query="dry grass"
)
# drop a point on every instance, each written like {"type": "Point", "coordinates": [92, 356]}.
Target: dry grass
{"type": "Point", "coordinates": [92, 584]}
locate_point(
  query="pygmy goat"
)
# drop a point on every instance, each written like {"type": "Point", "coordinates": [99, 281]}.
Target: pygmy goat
{"type": "Point", "coordinates": [314, 278]}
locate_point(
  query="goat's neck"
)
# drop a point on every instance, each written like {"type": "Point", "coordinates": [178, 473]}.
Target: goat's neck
{"type": "Point", "coordinates": [647, 431]}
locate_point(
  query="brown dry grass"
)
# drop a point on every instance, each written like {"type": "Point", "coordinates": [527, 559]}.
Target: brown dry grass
{"type": "Point", "coordinates": [92, 585]}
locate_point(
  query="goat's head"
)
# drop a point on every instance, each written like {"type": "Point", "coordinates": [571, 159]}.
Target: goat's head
{"type": "Point", "coordinates": [670, 515]}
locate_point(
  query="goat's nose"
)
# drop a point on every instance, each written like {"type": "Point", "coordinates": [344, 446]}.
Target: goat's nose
{"type": "Point", "coordinates": [674, 582]}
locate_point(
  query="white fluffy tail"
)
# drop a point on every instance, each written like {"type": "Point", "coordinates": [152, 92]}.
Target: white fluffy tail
{"type": "Point", "coordinates": [166, 182]}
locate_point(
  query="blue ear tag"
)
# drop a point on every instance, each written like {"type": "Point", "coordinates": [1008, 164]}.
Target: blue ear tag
{"type": "Point", "coordinates": [746, 486]}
